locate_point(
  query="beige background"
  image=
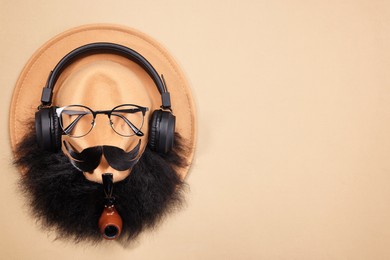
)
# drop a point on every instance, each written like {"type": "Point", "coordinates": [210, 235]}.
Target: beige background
{"type": "Point", "coordinates": [293, 101]}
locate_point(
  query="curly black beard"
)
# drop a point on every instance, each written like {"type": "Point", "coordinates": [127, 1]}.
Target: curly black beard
{"type": "Point", "coordinates": [63, 200]}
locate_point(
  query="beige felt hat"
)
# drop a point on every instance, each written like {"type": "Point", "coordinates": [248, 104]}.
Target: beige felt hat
{"type": "Point", "coordinates": [27, 94]}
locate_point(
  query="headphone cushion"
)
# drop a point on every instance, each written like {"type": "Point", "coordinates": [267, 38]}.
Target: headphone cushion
{"type": "Point", "coordinates": [162, 131]}
{"type": "Point", "coordinates": [47, 129]}
{"type": "Point", "coordinates": [56, 130]}
{"type": "Point", "coordinates": [153, 125]}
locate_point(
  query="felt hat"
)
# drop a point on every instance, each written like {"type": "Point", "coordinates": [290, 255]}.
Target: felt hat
{"type": "Point", "coordinates": [28, 90]}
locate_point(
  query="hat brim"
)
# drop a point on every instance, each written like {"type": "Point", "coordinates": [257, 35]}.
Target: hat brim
{"type": "Point", "coordinates": [28, 89]}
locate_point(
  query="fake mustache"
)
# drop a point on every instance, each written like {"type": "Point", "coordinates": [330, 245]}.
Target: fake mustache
{"type": "Point", "coordinates": [89, 159]}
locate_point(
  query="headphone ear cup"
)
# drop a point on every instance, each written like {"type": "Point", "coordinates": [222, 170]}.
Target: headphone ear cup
{"type": "Point", "coordinates": [162, 131]}
{"type": "Point", "coordinates": [47, 129]}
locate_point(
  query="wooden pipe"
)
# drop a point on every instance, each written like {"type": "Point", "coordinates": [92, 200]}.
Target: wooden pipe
{"type": "Point", "coordinates": [110, 222]}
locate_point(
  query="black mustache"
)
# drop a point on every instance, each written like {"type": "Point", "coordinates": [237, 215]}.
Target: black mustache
{"type": "Point", "coordinates": [89, 159]}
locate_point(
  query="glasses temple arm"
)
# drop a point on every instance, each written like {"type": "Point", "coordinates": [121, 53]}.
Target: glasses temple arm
{"type": "Point", "coordinates": [142, 109]}
{"type": "Point", "coordinates": [70, 127]}
{"type": "Point", "coordinates": [137, 131]}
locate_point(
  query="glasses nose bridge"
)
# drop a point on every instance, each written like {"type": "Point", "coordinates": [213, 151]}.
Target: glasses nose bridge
{"type": "Point", "coordinates": [102, 112]}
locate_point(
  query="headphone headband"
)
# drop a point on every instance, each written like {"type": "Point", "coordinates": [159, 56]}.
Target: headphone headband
{"type": "Point", "coordinates": [104, 47]}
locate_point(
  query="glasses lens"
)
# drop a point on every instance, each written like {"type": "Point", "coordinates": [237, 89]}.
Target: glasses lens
{"type": "Point", "coordinates": [76, 121]}
{"type": "Point", "coordinates": [127, 120]}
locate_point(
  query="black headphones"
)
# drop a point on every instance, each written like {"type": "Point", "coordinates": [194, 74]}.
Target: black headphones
{"type": "Point", "coordinates": [162, 123]}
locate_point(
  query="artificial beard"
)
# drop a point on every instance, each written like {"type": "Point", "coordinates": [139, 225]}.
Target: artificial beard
{"type": "Point", "coordinates": [63, 200]}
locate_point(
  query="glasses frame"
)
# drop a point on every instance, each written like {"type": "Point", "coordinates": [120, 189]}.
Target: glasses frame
{"type": "Point", "coordinates": [109, 113]}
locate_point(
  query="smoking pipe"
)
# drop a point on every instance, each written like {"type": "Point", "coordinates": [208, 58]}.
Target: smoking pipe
{"type": "Point", "coordinates": [110, 222]}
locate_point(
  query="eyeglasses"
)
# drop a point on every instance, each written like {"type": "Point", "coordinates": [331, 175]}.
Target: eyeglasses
{"type": "Point", "coordinates": [126, 120]}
